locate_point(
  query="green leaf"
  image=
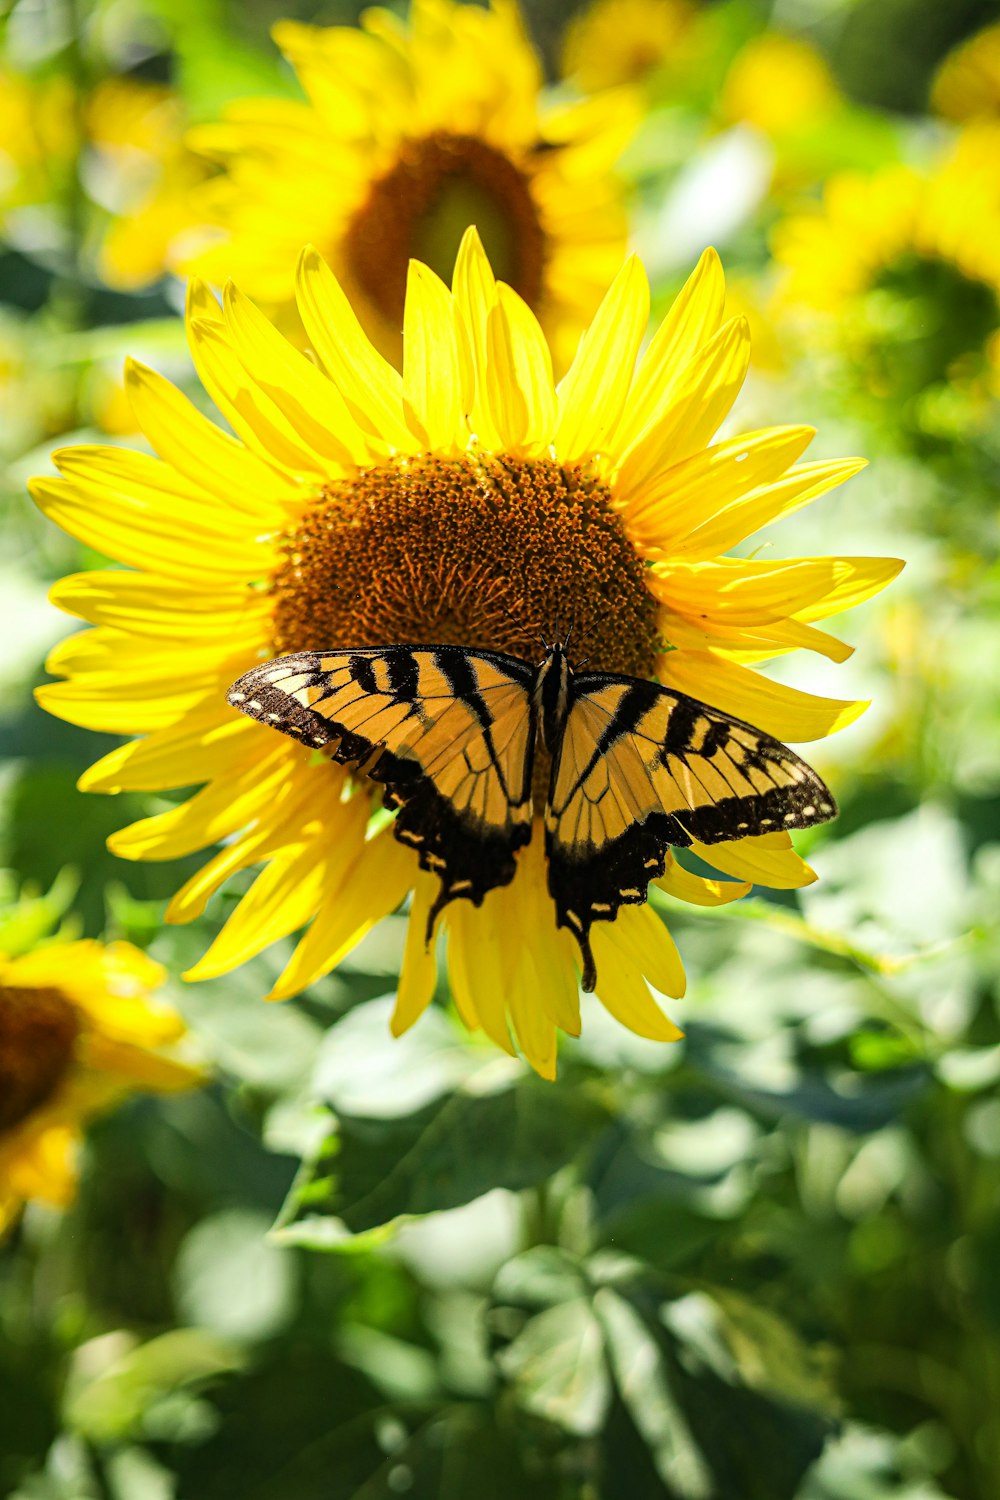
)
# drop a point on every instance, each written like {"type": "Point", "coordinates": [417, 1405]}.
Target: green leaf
{"type": "Point", "coordinates": [370, 1171]}
{"type": "Point", "coordinates": [116, 1383]}
{"type": "Point", "coordinates": [557, 1369]}
{"type": "Point", "coordinates": [643, 1383]}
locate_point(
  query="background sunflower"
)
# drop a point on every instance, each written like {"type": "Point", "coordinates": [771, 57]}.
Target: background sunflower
{"type": "Point", "coordinates": [754, 1262]}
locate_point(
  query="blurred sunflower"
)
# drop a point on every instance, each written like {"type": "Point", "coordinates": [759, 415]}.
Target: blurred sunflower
{"type": "Point", "coordinates": [780, 85]}
{"type": "Point", "coordinates": [469, 500]}
{"type": "Point", "coordinates": [411, 133]}
{"type": "Point", "coordinates": [615, 42]}
{"type": "Point", "coordinates": [900, 270]}
{"type": "Point", "coordinates": [38, 137]}
{"type": "Point", "coordinates": [79, 1030]}
{"type": "Point", "coordinates": [967, 84]}
{"type": "Point", "coordinates": [144, 174]}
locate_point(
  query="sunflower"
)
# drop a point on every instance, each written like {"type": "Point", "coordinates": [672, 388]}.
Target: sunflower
{"type": "Point", "coordinates": [967, 84]}
{"type": "Point", "coordinates": [79, 1030]}
{"type": "Point", "coordinates": [615, 42]}
{"type": "Point", "coordinates": [780, 85]}
{"type": "Point", "coordinates": [409, 134]}
{"type": "Point", "coordinates": [38, 138]}
{"type": "Point", "coordinates": [144, 174]}
{"type": "Point", "coordinates": [468, 500]}
{"type": "Point", "coordinates": [900, 269]}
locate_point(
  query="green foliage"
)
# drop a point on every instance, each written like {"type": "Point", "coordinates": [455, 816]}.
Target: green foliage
{"type": "Point", "coordinates": [758, 1265]}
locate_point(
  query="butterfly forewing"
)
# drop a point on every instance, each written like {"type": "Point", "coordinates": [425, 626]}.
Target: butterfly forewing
{"type": "Point", "coordinates": [449, 733]}
{"type": "Point", "coordinates": [642, 768]}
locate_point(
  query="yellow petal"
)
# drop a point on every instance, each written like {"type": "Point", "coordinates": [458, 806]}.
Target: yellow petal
{"type": "Point", "coordinates": [305, 806]}
{"type": "Point", "coordinates": [623, 991]}
{"type": "Point", "coordinates": [475, 293]}
{"type": "Point", "coordinates": [418, 975]}
{"type": "Point", "coordinates": [309, 402]}
{"type": "Point", "coordinates": [768, 860]}
{"type": "Point", "coordinates": [371, 387]}
{"type": "Point", "coordinates": [801, 486]}
{"type": "Point", "coordinates": [691, 411]}
{"type": "Point", "coordinates": [140, 1068]}
{"type": "Point", "coordinates": [785, 712]}
{"type": "Point", "coordinates": [532, 364]}
{"type": "Point", "coordinates": [201, 451]}
{"type": "Point", "coordinates": [135, 705]}
{"type": "Point", "coordinates": [158, 607]}
{"type": "Point", "coordinates": [214, 813]}
{"type": "Point", "coordinates": [282, 899]}
{"type": "Point", "coordinates": [697, 890]}
{"type": "Point", "coordinates": [508, 407]}
{"type": "Point", "coordinates": [206, 742]}
{"type": "Point", "coordinates": [738, 591]}
{"type": "Point", "coordinates": [687, 496]}
{"type": "Point", "coordinates": [477, 955]}
{"type": "Point", "coordinates": [432, 375]}
{"type": "Point", "coordinates": [751, 643]}
{"type": "Point", "coordinates": [693, 319]}
{"type": "Point", "coordinates": [44, 1166]}
{"type": "Point", "coordinates": [642, 937]}
{"type": "Point", "coordinates": [593, 392]}
{"type": "Point", "coordinates": [250, 412]}
{"type": "Point", "coordinates": [177, 539]}
{"type": "Point", "coordinates": [374, 884]}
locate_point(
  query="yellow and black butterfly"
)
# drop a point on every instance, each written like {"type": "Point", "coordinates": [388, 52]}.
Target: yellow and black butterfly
{"type": "Point", "coordinates": [450, 735]}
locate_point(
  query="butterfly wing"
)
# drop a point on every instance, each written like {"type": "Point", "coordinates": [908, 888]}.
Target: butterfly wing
{"type": "Point", "coordinates": [448, 733]}
{"type": "Point", "coordinates": [641, 768]}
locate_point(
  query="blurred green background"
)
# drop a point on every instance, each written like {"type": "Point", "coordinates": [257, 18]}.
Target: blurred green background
{"type": "Point", "coordinates": [759, 1265]}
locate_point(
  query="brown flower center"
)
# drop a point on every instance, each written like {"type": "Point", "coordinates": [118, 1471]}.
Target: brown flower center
{"type": "Point", "coordinates": [38, 1031]}
{"type": "Point", "coordinates": [423, 205]}
{"type": "Point", "coordinates": [472, 551]}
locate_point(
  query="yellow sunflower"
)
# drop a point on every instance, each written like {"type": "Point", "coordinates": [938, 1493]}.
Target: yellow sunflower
{"type": "Point", "coordinates": [780, 85]}
{"type": "Point", "coordinates": [967, 84]}
{"type": "Point", "coordinates": [410, 133]}
{"type": "Point", "coordinates": [469, 500]}
{"type": "Point", "coordinates": [38, 137]}
{"type": "Point", "coordinates": [615, 42]}
{"type": "Point", "coordinates": [145, 176]}
{"type": "Point", "coordinates": [79, 1029]}
{"type": "Point", "coordinates": [901, 269]}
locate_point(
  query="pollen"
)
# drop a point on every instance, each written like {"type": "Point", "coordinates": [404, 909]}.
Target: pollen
{"type": "Point", "coordinates": [477, 551]}
{"type": "Point", "coordinates": [38, 1033]}
{"type": "Point", "coordinates": [420, 208]}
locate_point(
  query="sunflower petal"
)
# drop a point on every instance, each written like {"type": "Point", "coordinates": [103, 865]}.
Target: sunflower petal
{"type": "Point", "coordinates": [698, 890]}
{"type": "Point", "coordinates": [687, 496]}
{"type": "Point", "coordinates": [367, 889]}
{"type": "Point", "coordinates": [202, 452]}
{"type": "Point", "coordinates": [593, 393]}
{"type": "Point", "coordinates": [418, 975]}
{"type": "Point", "coordinates": [694, 318]}
{"type": "Point", "coordinates": [767, 860]}
{"type": "Point", "coordinates": [692, 409]}
{"type": "Point", "coordinates": [309, 402]}
{"type": "Point", "coordinates": [623, 991]}
{"type": "Point", "coordinates": [432, 373]}
{"type": "Point", "coordinates": [787, 713]}
{"type": "Point", "coordinates": [368, 383]}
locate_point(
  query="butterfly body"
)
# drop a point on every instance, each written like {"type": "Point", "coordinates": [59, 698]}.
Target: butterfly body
{"type": "Point", "coordinates": [451, 733]}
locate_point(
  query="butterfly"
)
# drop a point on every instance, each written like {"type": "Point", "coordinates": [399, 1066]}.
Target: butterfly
{"type": "Point", "coordinates": [450, 734]}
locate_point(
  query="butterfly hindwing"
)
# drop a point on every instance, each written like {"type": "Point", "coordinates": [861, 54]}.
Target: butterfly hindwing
{"type": "Point", "coordinates": [641, 768]}
{"type": "Point", "coordinates": [448, 732]}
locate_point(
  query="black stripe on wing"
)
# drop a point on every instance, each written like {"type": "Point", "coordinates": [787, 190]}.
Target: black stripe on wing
{"type": "Point", "coordinates": [447, 733]}
{"type": "Point", "coordinates": [642, 768]}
